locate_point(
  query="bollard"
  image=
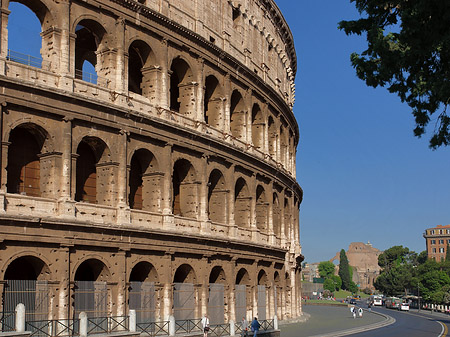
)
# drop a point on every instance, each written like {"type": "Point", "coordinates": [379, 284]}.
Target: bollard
{"type": "Point", "coordinates": [83, 324]}
{"type": "Point", "coordinates": [171, 326]}
{"type": "Point", "coordinates": [275, 322]}
{"type": "Point", "coordinates": [132, 315]}
{"type": "Point", "coordinates": [232, 328]}
{"type": "Point", "coordinates": [20, 317]}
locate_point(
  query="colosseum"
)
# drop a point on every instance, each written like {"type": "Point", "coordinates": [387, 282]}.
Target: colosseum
{"type": "Point", "coordinates": [165, 181]}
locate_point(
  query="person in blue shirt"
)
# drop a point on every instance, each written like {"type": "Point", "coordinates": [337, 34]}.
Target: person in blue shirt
{"type": "Point", "coordinates": [255, 326]}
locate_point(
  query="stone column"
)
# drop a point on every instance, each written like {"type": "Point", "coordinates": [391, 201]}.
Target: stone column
{"type": "Point", "coordinates": [203, 197]}
{"type": "Point", "coordinates": [63, 272]}
{"type": "Point", "coordinates": [232, 233]}
{"type": "Point", "coordinates": [4, 33]}
{"type": "Point", "coordinates": [121, 84]}
{"type": "Point", "coordinates": [227, 104]}
{"type": "Point", "coordinates": [65, 183]}
{"type": "Point", "coordinates": [200, 91]}
{"type": "Point", "coordinates": [121, 304]}
{"type": "Point", "coordinates": [4, 159]}
{"type": "Point", "coordinates": [167, 287]}
{"type": "Point", "coordinates": [167, 165]}
{"type": "Point", "coordinates": [164, 92]}
{"type": "Point", "coordinates": [123, 210]}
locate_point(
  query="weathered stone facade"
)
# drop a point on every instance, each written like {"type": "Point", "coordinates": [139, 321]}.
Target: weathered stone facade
{"type": "Point", "coordinates": [176, 167]}
{"type": "Point", "coordinates": [363, 257]}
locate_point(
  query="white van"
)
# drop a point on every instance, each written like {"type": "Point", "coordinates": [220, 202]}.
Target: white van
{"type": "Point", "coordinates": [404, 306]}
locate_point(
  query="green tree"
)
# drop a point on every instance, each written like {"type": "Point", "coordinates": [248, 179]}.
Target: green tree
{"type": "Point", "coordinates": [337, 281]}
{"type": "Point", "coordinates": [329, 285]}
{"type": "Point", "coordinates": [447, 253]}
{"type": "Point", "coordinates": [408, 52]}
{"type": "Point", "coordinates": [344, 272]}
{"type": "Point", "coordinates": [393, 256]}
{"type": "Point", "coordinates": [326, 269]}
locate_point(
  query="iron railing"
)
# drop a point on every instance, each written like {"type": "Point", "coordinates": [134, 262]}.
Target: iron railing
{"type": "Point", "coordinates": [154, 328]}
{"type": "Point", "coordinates": [7, 321]}
{"type": "Point", "coordinates": [25, 59]}
{"type": "Point", "coordinates": [266, 324]}
{"type": "Point", "coordinates": [53, 328]}
{"type": "Point", "coordinates": [107, 324]}
{"type": "Point", "coordinates": [219, 330]}
{"type": "Point", "coordinates": [188, 325]}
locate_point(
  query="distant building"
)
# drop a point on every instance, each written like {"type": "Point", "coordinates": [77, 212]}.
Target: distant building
{"type": "Point", "coordinates": [364, 260]}
{"type": "Point", "coordinates": [310, 271]}
{"type": "Point", "coordinates": [437, 239]}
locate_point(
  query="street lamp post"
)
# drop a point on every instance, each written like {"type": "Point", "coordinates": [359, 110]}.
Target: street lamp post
{"type": "Point", "coordinates": [418, 296]}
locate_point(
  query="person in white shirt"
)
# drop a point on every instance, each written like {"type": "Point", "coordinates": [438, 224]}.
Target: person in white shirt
{"type": "Point", "coordinates": [205, 325]}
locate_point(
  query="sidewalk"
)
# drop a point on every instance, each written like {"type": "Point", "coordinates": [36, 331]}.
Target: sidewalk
{"type": "Point", "coordinates": [332, 321]}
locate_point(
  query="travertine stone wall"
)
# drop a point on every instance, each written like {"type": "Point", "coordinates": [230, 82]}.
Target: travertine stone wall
{"type": "Point", "coordinates": [175, 165]}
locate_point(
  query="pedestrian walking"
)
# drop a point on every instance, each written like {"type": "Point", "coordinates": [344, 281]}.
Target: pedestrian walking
{"type": "Point", "coordinates": [353, 311]}
{"type": "Point", "coordinates": [244, 327]}
{"type": "Point", "coordinates": [360, 312]}
{"type": "Point", "coordinates": [255, 326]}
{"type": "Point", "coordinates": [205, 325]}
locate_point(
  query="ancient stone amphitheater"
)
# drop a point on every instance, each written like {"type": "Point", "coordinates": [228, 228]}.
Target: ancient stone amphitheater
{"type": "Point", "coordinates": [165, 182]}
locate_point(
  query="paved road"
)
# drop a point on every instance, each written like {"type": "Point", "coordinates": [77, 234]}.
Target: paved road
{"type": "Point", "coordinates": [326, 320]}
{"type": "Point", "coordinates": [411, 324]}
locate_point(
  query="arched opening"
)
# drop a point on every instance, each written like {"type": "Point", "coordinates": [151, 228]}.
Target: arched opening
{"type": "Point", "coordinates": [90, 289]}
{"type": "Point", "coordinates": [140, 77]}
{"type": "Point", "coordinates": [89, 40]}
{"type": "Point", "coordinates": [28, 53]}
{"type": "Point", "coordinates": [237, 115]}
{"type": "Point", "coordinates": [257, 127]}
{"type": "Point", "coordinates": [272, 138]}
{"type": "Point", "coordinates": [217, 197]}
{"type": "Point", "coordinates": [276, 216]}
{"type": "Point", "coordinates": [184, 188]}
{"type": "Point", "coordinates": [144, 182]}
{"type": "Point", "coordinates": [24, 173]}
{"type": "Point", "coordinates": [261, 209]}
{"type": "Point", "coordinates": [213, 103]}
{"type": "Point", "coordinates": [242, 204]}
{"type": "Point", "coordinates": [216, 298]}
{"type": "Point", "coordinates": [182, 88]}
{"type": "Point", "coordinates": [243, 295]}
{"type": "Point", "coordinates": [26, 282]}
{"type": "Point", "coordinates": [278, 294]}
{"type": "Point", "coordinates": [184, 294]}
{"type": "Point", "coordinates": [262, 296]}
{"type": "Point", "coordinates": [91, 185]}
{"type": "Point", "coordinates": [142, 292]}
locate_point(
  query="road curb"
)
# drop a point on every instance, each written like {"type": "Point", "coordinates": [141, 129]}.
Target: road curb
{"type": "Point", "coordinates": [388, 321]}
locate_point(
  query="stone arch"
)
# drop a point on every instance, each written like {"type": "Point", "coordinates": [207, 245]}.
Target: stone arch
{"type": "Point", "coordinates": [263, 279]}
{"type": "Point", "coordinates": [262, 209]}
{"type": "Point", "coordinates": [26, 281]}
{"type": "Point", "coordinates": [24, 174]}
{"type": "Point", "coordinates": [90, 288]}
{"type": "Point", "coordinates": [142, 76]}
{"type": "Point", "coordinates": [182, 88]}
{"type": "Point", "coordinates": [242, 204]}
{"type": "Point", "coordinates": [92, 183]}
{"type": "Point", "coordinates": [217, 197]}
{"type": "Point", "coordinates": [273, 135]}
{"type": "Point", "coordinates": [144, 271]}
{"type": "Point", "coordinates": [237, 115]}
{"type": "Point", "coordinates": [27, 267]}
{"type": "Point", "coordinates": [262, 295]}
{"type": "Point", "coordinates": [276, 215]}
{"type": "Point", "coordinates": [213, 104]}
{"type": "Point", "coordinates": [217, 304]}
{"type": "Point", "coordinates": [185, 274]}
{"type": "Point", "coordinates": [258, 126]}
{"type": "Point", "coordinates": [243, 294]}
{"type": "Point", "coordinates": [184, 189]}
{"type": "Point", "coordinates": [145, 182]}
{"type": "Point", "coordinates": [184, 293]}
{"type": "Point", "coordinates": [90, 40]}
{"type": "Point", "coordinates": [142, 291]}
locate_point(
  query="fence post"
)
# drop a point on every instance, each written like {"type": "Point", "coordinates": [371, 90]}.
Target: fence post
{"type": "Point", "coordinates": [20, 317]}
{"type": "Point", "coordinates": [275, 322]}
{"type": "Point", "coordinates": [171, 326]}
{"type": "Point", "coordinates": [83, 324]}
{"type": "Point", "coordinates": [232, 328]}
{"type": "Point", "coordinates": [132, 315]}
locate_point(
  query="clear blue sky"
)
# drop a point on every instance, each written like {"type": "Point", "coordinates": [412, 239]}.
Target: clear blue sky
{"type": "Point", "coordinates": [364, 175]}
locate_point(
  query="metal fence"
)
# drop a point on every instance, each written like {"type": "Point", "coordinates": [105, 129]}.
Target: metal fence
{"type": "Point", "coordinates": [262, 302]}
{"type": "Point", "coordinates": [25, 59]}
{"type": "Point", "coordinates": [7, 321]}
{"type": "Point", "coordinates": [241, 301]}
{"type": "Point", "coordinates": [53, 328]}
{"type": "Point", "coordinates": [143, 300]}
{"type": "Point", "coordinates": [188, 325]}
{"type": "Point", "coordinates": [91, 297]}
{"type": "Point", "coordinates": [153, 328]}
{"type": "Point", "coordinates": [107, 324]}
{"type": "Point", "coordinates": [216, 303]}
{"type": "Point", "coordinates": [183, 301]}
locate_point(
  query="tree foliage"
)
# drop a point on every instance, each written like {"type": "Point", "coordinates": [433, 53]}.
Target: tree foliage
{"type": "Point", "coordinates": [344, 272]}
{"type": "Point", "coordinates": [326, 269]}
{"type": "Point", "coordinates": [408, 52]}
